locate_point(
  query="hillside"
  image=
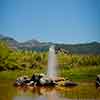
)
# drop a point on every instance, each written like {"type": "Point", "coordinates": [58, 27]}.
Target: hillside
{"type": "Point", "coordinates": [86, 48]}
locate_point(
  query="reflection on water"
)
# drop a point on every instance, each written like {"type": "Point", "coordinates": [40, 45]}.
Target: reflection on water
{"type": "Point", "coordinates": [23, 98]}
{"type": "Point", "coordinates": [38, 93]}
{"type": "Point", "coordinates": [84, 91]}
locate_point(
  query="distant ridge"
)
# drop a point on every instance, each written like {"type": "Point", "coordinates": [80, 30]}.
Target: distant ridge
{"type": "Point", "coordinates": [81, 48]}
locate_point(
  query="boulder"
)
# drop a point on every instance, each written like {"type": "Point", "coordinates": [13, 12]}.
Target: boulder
{"type": "Point", "coordinates": [66, 83]}
{"type": "Point", "coordinates": [22, 80]}
{"type": "Point", "coordinates": [70, 83]}
{"type": "Point", "coordinates": [98, 81]}
{"type": "Point", "coordinates": [45, 81]}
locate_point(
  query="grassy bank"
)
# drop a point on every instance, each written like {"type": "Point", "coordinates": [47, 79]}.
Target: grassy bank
{"type": "Point", "coordinates": [81, 73]}
{"type": "Point", "coordinates": [76, 73]}
{"type": "Point", "coordinates": [17, 73]}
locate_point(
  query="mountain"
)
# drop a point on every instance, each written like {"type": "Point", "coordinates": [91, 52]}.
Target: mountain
{"type": "Point", "coordinates": [29, 44]}
{"type": "Point", "coordinates": [86, 48]}
{"type": "Point", "coordinates": [10, 41]}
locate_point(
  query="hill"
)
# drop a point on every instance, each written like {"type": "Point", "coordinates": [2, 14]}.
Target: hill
{"type": "Point", "coordinates": [86, 48]}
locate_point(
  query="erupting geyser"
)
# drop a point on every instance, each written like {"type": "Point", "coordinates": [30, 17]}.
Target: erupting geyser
{"type": "Point", "coordinates": [50, 80]}
{"type": "Point", "coordinates": [52, 63]}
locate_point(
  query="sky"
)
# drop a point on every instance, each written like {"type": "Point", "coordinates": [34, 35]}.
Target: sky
{"type": "Point", "coordinates": [63, 21]}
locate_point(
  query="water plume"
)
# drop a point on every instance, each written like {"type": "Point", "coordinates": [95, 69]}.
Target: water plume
{"type": "Point", "coordinates": [52, 63]}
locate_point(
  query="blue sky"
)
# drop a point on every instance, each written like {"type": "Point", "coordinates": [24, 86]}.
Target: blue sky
{"type": "Point", "coordinates": [65, 21]}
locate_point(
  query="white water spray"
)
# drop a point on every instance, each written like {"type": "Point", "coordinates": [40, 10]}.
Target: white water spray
{"type": "Point", "coordinates": [52, 63]}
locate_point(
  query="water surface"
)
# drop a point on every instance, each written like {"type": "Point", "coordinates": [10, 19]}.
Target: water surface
{"type": "Point", "coordinates": [84, 91]}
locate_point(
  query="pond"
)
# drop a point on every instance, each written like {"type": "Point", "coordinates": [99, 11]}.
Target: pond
{"type": "Point", "coordinates": [84, 91]}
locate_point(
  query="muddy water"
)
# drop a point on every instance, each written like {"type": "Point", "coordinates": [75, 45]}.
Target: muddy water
{"type": "Point", "coordinates": [84, 91]}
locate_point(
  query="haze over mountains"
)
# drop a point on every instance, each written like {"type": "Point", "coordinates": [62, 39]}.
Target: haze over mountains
{"type": "Point", "coordinates": [85, 48]}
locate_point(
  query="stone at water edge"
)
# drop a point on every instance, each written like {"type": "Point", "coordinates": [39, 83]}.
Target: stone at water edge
{"type": "Point", "coordinates": [98, 81]}
{"type": "Point", "coordinates": [23, 80]}
{"type": "Point", "coordinates": [42, 80]}
{"type": "Point", "coordinates": [70, 83]}
{"type": "Point", "coordinates": [64, 82]}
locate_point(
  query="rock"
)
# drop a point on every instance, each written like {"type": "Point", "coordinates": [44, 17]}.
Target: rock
{"type": "Point", "coordinates": [58, 79]}
{"type": "Point", "coordinates": [30, 83]}
{"type": "Point", "coordinates": [70, 83]}
{"type": "Point", "coordinates": [42, 80]}
{"type": "Point", "coordinates": [22, 80]}
{"type": "Point", "coordinates": [98, 81]}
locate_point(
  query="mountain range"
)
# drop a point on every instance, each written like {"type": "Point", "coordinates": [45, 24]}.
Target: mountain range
{"type": "Point", "coordinates": [84, 48]}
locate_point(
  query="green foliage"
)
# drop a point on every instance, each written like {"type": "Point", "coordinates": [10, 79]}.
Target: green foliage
{"type": "Point", "coordinates": [21, 60]}
{"type": "Point", "coordinates": [14, 63]}
{"type": "Point", "coordinates": [4, 54]}
{"type": "Point", "coordinates": [78, 60]}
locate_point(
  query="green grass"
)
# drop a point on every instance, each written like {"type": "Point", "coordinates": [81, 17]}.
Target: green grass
{"type": "Point", "coordinates": [17, 73]}
{"type": "Point", "coordinates": [81, 73]}
{"type": "Point", "coordinates": [76, 73]}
